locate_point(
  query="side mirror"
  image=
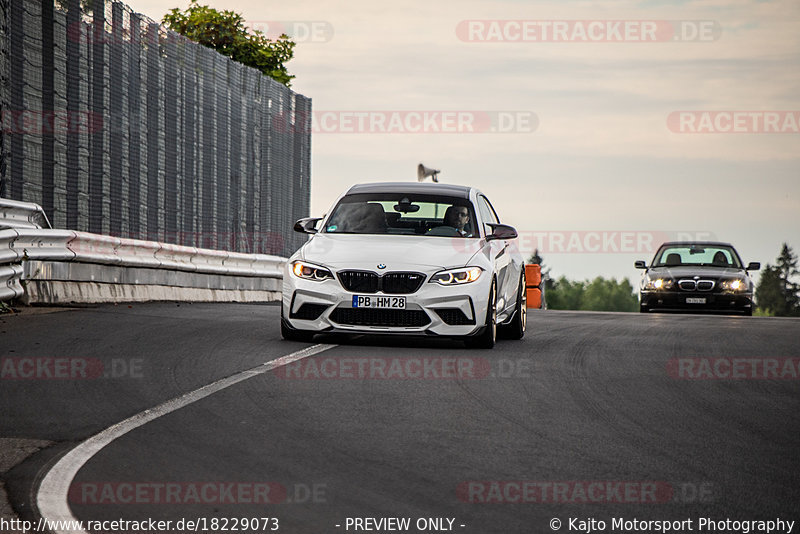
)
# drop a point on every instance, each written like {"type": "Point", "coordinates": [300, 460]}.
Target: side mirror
{"type": "Point", "coordinates": [640, 264]}
{"type": "Point", "coordinates": [307, 225]}
{"type": "Point", "coordinates": [501, 231]}
{"type": "Point", "coordinates": [753, 266]}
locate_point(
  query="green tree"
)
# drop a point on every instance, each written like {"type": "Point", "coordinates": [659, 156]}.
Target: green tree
{"type": "Point", "coordinates": [225, 32]}
{"type": "Point", "coordinates": [609, 295]}
{"type": "Point", "coordinates": [769, 295]}
{"type": "Point", "coordinates": [565, 294]}
{"type": "Point", "coordinates": [536, 259]}
{"type": "Point", "coordinates": [787, 265]}
{"type": "Point", "coordinates": [598, 295]}
{"type": "Point", "coordinates": [776, 294]}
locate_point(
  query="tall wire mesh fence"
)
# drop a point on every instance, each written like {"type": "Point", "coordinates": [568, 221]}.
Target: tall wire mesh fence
{"type": "Point", "coordinates": [115, 125]}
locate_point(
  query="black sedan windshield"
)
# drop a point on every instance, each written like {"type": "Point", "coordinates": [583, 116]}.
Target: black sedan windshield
{"type": "Point", "coordinates": [697, 256]}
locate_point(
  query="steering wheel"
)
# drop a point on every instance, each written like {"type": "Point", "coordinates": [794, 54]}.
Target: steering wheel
{"type": "Point", "coordinates": [445, 231]}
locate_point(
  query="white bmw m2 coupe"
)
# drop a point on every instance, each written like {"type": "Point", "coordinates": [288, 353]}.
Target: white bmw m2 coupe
{"type": "Point", "coordinates": [406, 258]}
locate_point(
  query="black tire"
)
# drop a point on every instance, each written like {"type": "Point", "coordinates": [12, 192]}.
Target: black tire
{"type": "Point", "coordinates": [748, 312]}
{"type": "Point", "coordinates": [293, 334]}
{"type": "Point", "coordinates": [488, 335]}
{"type": "Point", "coordinates": [516, 328]}
{"type": "Point", "coordinates": [643, 309]}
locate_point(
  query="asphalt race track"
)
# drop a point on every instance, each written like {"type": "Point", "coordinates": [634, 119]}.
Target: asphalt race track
{"type": "Point", "coordinates": [590, 416]}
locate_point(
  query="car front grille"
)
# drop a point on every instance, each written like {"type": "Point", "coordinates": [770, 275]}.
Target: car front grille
{"type": "Point", "coordinates": [395, 283]}
{"type": "Point", "coordinates": [699, 285]}
{"type": "Point", "coordinates": [401, 283]}
{"type": "Point", "coordinates": [379, 317]}
{"type": "Point", "coordinates": [687, 285]}
{"type": "Point", "coordinates": [359, 281]}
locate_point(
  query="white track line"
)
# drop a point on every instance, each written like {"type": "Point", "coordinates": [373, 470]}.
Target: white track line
{"type": "Point", "coordinates": [51, 498]}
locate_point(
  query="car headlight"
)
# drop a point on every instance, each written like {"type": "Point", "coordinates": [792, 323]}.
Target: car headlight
{"type": "Point", "coordinates": [659, 283]}
{"type": "Point", "coordinates": [736, 284]}
{"type": "Point", "coordinates": [309, 271]}
{"type": "Point", "coordinates": [453, 277]}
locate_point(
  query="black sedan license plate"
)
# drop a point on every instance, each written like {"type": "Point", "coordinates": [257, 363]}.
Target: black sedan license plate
{"type": "Point", "coordinates": [372, 301]}
{"type": "Point", "coordinates": [695, 300]}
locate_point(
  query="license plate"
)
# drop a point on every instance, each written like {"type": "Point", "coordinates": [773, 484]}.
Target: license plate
{"type": "Point", "coordinates": [372, 301]}
{"type": "Point", "coordinates": [695, 300]}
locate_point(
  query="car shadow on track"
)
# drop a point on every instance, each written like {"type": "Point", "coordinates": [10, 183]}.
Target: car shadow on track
{"type": "Point", "coordinates": [388, 340]}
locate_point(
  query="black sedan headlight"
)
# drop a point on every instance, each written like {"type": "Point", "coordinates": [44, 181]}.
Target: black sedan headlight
{"type": "Point", "coordinates": [735, 285]}
{"type": "Point", "coordinates": [309, 271]}
{"type": "Point", "coordinates": [658, 283]}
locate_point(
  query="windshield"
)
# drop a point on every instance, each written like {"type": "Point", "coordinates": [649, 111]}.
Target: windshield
{"type": "Point", "coordinates": [404, 214]}
{"type": "Point", "coordinates": [697, 256]}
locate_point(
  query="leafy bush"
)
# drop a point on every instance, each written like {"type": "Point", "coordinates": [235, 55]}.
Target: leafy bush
{"type": "Point", "coordinates": [225, 32]}
{"type": "Point", "coordinates": [598, 295]}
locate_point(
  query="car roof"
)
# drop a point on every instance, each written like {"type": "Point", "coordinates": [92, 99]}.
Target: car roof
{"type": "Point", "coordinates": [451, 190]}
{"type": "Point", "coordinates": [705, 243]}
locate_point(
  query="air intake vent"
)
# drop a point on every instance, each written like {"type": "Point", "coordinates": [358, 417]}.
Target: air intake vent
{"type": "Point", "coordinates": [379, 317]}
{"type": "Point", "coordinates": [309, 312]}
{"type": "Point", "coordinates": [454, 316]}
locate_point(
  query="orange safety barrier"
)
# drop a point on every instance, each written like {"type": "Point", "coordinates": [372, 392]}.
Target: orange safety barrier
{"type": "Point", "coordinates": [533, 275]}
{"type": "Point", "coordinates": [534, 296]}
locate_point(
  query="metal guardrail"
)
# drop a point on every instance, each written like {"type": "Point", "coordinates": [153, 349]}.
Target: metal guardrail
{"type": "Point", "coordinates": [26, 236]}
{"type": "Point", "coordinates": [26, 244]}
{"type": "Point", "coordinates": [14, 214]}
{"type": "Point", "coordinates": [66, 245]}
{"type": "Point", "coordinates": [10, 285]}
{"type": "Point", "coordinates": [10, 267]}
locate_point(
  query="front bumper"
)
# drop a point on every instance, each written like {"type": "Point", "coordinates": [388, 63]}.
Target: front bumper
{"type": "Point", "coordinates": [325, 306]}
{"type": "Point", "coordinates": [714, 302]}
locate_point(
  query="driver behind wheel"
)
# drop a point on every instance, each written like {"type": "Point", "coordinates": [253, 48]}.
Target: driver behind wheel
{"type": "Point", "coordinates": [457, 217]}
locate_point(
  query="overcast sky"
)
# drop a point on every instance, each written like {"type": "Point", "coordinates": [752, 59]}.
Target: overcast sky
{"type": "Point", "coordinates": [570, 114]}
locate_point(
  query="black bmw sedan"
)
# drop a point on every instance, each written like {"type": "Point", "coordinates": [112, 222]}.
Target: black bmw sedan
{"type": "Point", "coordinates": [702, 276]}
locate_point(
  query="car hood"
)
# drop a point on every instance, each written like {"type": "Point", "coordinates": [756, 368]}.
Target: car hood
{"type": "Point", "coordinates": [358, 251]}
{"type": "Point", "coordinates": [691, 271]}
